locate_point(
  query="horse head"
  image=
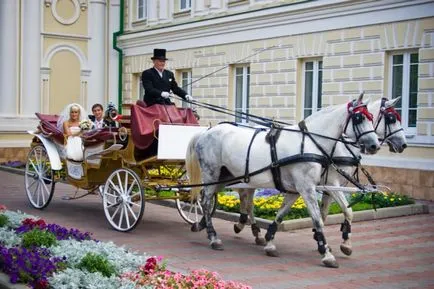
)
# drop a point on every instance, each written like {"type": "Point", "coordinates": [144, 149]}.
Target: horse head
{"type": "Point", "coordinates": [359, 125]}
{"type": "Point", "coordinates": [387, 124]}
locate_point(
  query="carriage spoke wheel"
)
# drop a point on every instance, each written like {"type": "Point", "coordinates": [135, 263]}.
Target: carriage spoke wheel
{"type": "Point", "coordinates": [39, 177]}
{"type": "Point", "coordinates": [123, 200]}
{"type": "Point", "coordinates": [191, 210]}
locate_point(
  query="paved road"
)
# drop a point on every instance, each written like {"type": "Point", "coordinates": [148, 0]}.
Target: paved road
{"type": "Point", "coordinates": [392, 253]}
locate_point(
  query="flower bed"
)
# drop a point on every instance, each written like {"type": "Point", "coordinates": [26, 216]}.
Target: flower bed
{"type": "Point", "coordinates": [45, 255]}
{"type": "Point", "coordinates": [268, 201]}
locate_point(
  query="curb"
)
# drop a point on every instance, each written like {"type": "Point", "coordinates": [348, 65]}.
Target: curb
{"type": "Point", "coordinates": [5, 284]}
{"type": "Point", "coordinates": [289, 225]}
{"type": "Point", "coordinates": [367, 215]}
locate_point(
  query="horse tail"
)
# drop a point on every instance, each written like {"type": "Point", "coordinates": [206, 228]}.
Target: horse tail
{"type": "Point", "coordinates": [193, 167]}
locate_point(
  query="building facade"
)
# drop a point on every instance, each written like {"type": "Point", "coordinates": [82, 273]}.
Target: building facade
{"type": "Point", "coordinates": [282, 59]}
{"type": "Point", "coordinates": [53, 52]}
{"type": "Point", "coordinates": [287, 59]}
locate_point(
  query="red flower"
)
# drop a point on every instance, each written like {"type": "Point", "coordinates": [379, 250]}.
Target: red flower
{"type": "Point", "coordinates": [3, 208]}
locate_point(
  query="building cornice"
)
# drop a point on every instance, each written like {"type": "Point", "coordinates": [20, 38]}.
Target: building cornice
{"type": "Point", "coordinates": [17, 124]}
{"type": "Point", "coordinates": [305, 17]}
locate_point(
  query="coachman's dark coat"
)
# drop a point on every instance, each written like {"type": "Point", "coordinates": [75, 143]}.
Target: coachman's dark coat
{"type": "Point", "coordinates": [154, 85]}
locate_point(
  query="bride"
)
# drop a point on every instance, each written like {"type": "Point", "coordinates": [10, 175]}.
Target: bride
{"type": "Point", "coordinates": [69, 124]}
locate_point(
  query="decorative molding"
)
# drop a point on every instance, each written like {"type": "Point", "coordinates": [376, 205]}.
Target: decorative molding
{"type": "Point", "coordinates": [288, 20]}
{"type": "Point", "coordinates": [66, 36]}
{"type": "Point", "coordinates": [71, 20]}
{"type": "Point", "coordinates": [69, 47]}
{"type": "Point", "coordinates": [17, 124]}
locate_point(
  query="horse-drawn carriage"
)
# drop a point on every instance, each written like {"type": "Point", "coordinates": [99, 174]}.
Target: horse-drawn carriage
{"type": "Point", "coordinates": [126, 167]}
{"type": "Point", "coordinates": [122, 164]}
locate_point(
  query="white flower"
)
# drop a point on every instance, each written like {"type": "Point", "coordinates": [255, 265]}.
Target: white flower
{"type": "Point", "coordinates": [85, 124]}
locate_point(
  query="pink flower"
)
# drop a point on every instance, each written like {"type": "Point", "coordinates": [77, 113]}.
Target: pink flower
{"type": "Point", "coordinates": [3, 208]}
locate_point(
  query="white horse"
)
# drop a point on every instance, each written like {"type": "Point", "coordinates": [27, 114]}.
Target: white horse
{"type": "Point", "coordinates": [388, 128]}
{"type": "Point", "coordinates": [218, 155]}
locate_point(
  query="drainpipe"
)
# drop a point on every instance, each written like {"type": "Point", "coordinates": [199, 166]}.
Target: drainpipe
{"type": "Point", "coordinates": [120, 59]}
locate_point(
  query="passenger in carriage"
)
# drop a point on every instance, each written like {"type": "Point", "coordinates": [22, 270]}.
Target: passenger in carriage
{"type": "Point", "coordinates": [97, 117]}
{"type": "Point", "coordinates": [69, 123]}
{"type": "Point", "coordinates": [158, 82]}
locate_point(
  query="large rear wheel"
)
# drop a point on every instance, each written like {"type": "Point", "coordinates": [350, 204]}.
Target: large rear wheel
{"type": "Point", "coordinates": [123, 200]}
{"type": "Point", "coordinates": [191, 210]}
{"type": "Point", "coordinates": [39, 177]}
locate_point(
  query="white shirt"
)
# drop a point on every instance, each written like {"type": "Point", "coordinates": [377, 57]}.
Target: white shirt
{"type": "Point", "coordinates": [159, 72]}
{"type": "Point", "coordinates": [99, 123]}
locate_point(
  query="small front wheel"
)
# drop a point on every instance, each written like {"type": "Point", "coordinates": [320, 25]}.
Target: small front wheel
{"type": "Point", "coordinates": [192, 211]}
{"type": "Point", "coordinates": [39, 177]}
{"type": "Point", "coordinates": [123, 200]}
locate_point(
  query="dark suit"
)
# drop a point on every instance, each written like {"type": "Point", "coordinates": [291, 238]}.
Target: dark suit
{"type": "Point", "coordinates": [154, 84]}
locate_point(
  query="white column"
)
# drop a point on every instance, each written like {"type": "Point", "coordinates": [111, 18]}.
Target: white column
{"type": "Point", "coordinates": [113, 54]}
{"type": "Point", "coordinates": [216, 4]}
{"type": "Point", "coordinates": [164, 13]}
{"type": "Point", "coordinates": [152, 11]}
{"type": "Point", "coordinates": [97, 53]}
{"type": "Point", "coordinates": [31, 86]}
{"type": "Point", "coordinates": [9, 17]}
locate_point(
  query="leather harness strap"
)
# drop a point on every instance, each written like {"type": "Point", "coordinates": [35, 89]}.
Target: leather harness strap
{"type": "Point", "coordinates": [246, 172]}
{"type": "Point", "coordinates": [272, 138]}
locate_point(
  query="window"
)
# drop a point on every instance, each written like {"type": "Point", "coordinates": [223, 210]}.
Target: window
{"type": "Point", "coordinates": [186, 80]}
{"type": "Point", "coordinates": [184, 5]}
{"type": "Point", "coordinates": [141, 90]}
{"type": "Point", "coordinates": [312, 87]}
{"type": "Point", "coordinates": [242, 83]}
{"type": "Point", "coordinates": [404, 70]}
{"type": "Point", "coordinates": [142, 9]}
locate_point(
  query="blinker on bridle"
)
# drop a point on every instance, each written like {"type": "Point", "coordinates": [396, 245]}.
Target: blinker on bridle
{"type": "Point", "coordinates": [357, 112]}
{"type": "Point", "coordinates": [390, 117]}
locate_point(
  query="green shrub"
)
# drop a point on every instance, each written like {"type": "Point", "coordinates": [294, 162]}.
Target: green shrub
{"type": "Point", "coordinates": [4, 220]}
{"type": "Point", "coordinates": [38, 238]}
{"type": "Point", "coordinates": [97, 263]}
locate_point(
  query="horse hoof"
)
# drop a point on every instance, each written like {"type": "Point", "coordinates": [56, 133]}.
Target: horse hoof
{"type": "Point", "coordinates": [236, 229]}
{"type": "Point", "coordinates": [271, 253]}
{"type": "Point", "coordinates": [195, 227]}
{"type": "Point", "coordinates": [260, 241]}
{"type": "Point", "coordinates": [346, 250]}
{"type": "Point", "coordinates": [217, 245]}
{"type": "Point", "coordinates": [331, 263]}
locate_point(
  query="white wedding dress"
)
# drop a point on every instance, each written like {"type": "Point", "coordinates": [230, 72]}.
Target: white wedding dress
{"type": "Point", "coordinates": [74, 145]}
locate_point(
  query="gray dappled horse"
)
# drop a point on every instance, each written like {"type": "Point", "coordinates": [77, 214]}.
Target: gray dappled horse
{"type": "Point", "coordinates": [387, 124]}
{"type": "Point", "coordinates": [220, 153]}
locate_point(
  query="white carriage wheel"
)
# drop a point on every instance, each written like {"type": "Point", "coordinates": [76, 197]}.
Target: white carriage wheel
{"type": "Point", "coordinates": [39, 177]}
{"type": "Point", "coordinates": [192, 211]}
{"type": "Point", "coordinates": [123, 200]}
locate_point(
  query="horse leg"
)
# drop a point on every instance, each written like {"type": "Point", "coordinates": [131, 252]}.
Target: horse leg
{"type": "Point", "coordinates": [309, 196]}
{"type": "Point", "coordinates": [206, 221]}
{"type": "Point", "coordinates": [346, 246]}
{"type": "Point", "coordinates": [244, 203]}
{"type": "Point", "coordinates": [326, 201]}
{"type": "Point", "coordinates": [270, 248]}
{"type": "Point", "coordinates": [256, 231]}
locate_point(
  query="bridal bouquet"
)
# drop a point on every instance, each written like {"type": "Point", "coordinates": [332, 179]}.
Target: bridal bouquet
{"type": "Point", "coordinates": [85, 125]}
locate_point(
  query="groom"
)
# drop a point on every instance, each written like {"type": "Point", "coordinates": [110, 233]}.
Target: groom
{"type": "Point", "coordinates": [158, 82]}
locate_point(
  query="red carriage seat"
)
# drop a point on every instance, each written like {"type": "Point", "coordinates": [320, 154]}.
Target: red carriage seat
{"type": "Point", "coordinates": [146, 120]}
{"type": "Point", "coordinates": [48, 127]}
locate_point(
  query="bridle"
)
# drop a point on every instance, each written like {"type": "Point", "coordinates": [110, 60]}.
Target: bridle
{"type": "Point", "coordinates": [390, 116]}
{"type": "Point", "coordinates": [357, 112]}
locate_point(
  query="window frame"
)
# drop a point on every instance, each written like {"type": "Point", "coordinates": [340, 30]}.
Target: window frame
{"type": "Point", "coordinates": [144, 7]}
{"type": "Point", "coordinates": [315, 83]}
{"type": "Point", "coordinates": [189, 88]}
{"type": "Point", "coordinates": [187, 8]}
{"type": "Point", "coordinates": [410, 132]}
{"type": "Point", "coordinates": [245, 97]}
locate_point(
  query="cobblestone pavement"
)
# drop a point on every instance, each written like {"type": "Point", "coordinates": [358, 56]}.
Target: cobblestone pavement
{"type": "Point", "coordinates": [389, 253]}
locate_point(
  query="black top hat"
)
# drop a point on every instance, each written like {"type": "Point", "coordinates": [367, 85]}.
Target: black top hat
{"type": "Point", "coordinates": [159, 54]}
